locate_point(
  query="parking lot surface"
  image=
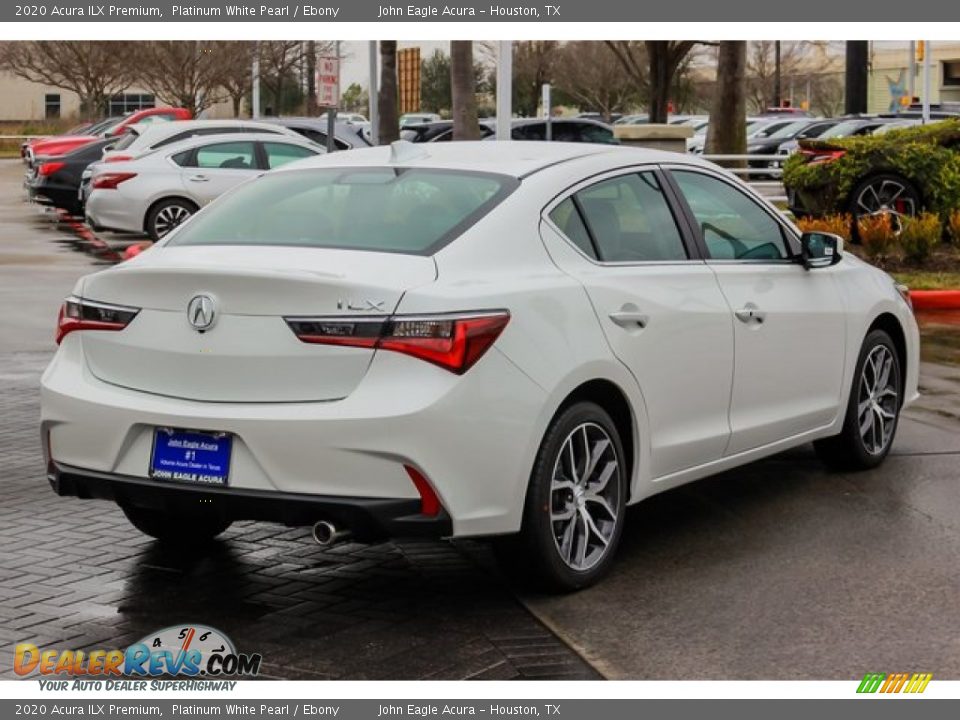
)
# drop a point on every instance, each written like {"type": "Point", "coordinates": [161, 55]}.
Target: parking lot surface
{"type": "Point", "coordinates": [779, 570]}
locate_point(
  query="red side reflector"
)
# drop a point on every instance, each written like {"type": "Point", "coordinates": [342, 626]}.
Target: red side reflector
{"type": "Point", "coordinates": [429, 502]}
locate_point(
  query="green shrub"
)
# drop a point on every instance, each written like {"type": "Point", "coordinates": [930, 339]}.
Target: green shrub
{"type": "Point", "coordinates": [927, 155]}
{"type": "Point", "coordinates": [920, 236]}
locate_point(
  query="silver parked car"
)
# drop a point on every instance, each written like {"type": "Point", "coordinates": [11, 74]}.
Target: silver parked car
{"type": "Point", "coordinates": [157, 191]}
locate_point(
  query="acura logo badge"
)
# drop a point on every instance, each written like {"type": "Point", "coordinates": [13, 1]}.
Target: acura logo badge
{"type": "Point", "coordinates": [201, 312]}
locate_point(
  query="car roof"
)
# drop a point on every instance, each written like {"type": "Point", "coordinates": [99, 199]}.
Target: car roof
{"type": "Point", "coordinates": [152, 130]}
{"type": "Point", "coordinates": [514, 158]}
{"type": "Point", "coordinates": [188, 143]}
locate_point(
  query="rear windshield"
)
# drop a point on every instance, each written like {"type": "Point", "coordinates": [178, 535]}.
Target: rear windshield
{"type": "Point", "coordinates": [402, 210]}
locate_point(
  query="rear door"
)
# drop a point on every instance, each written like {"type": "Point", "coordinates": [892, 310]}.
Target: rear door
{"type": "Point", "coordinates": [789, 323]}
{"type": "Point", "coordinates": [660, 308]}
{"type": "Point", "coordinates": [213, 169]}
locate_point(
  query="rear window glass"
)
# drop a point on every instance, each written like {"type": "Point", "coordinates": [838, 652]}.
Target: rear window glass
{"type": "Point", "coordinates": [403, 210]}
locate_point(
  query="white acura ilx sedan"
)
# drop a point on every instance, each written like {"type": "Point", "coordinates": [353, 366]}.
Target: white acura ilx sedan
{"type": "Point", "coordinates": [469, 339]}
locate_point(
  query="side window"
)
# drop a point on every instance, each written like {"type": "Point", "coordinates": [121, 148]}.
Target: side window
{"type": "Point", "coordinates": [566, 217]}
{"type": "Point", "coordinates": [281, 153]}
{"type": "Point", "coordinates": [596, 134]}
{"type": "Point", "coordinates": [734, 227]}
{"type": "Point", "coordinates": [183, 158]}
{"type": "Point", "coordinates": [228, 156]}
{"type": "Point", "coordinates": [629, 220]}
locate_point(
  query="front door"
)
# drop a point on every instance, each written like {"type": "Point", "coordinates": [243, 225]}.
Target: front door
{"type": "Point", "coordinates": [789, 323]}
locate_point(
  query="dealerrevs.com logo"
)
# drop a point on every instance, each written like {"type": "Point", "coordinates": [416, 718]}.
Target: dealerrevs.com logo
{"type": "Point", "coordinates": [190, 651]}
{"type": "Point", "coordinates": [889, 683]}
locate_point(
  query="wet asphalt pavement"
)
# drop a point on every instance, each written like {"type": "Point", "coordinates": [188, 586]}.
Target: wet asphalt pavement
{"type": "Point", "coordinates": [779, 570]}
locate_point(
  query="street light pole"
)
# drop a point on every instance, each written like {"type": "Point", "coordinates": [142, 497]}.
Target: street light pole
{"type": "Point", "coordinates": [927, 50]}
{"type": "Point", "coordinates": [255, 100]}
{"type": "Point", "coordinates": [372, 92]}
{"type": "Point", "coordinates": [504, 88]}
{"type": "Point", "coordinates": [777, 88]}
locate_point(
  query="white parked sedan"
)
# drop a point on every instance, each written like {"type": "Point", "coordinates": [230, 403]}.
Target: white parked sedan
{"type": "Point", "coordinates": [157, 191]}
{"type": "Point", "coordinates": [469, 339]}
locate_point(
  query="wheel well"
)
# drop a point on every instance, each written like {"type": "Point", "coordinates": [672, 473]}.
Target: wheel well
{"type": "Point", "coordinates": [611, 398]}
{"type": "Point", "coordinates": [146, 215]}
{"type": "Point", "coordinates": [891, 326]}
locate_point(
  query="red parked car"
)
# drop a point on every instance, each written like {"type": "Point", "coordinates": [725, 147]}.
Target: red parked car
{"type": "Point", "coordinates": [62, 144]}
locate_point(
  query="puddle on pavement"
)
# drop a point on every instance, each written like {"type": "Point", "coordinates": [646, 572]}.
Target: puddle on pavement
{"type": "Point", "coordinates": [940, 336]}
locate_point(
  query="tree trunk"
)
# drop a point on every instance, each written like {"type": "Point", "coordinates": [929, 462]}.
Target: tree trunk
{"type": "Point", "coordinates": [727, 132]}
{"type": "Point", "coordinates": [387, 99]}
{"type": "Point", "coordinates": [857, 58]}
{"type": "Point", "coordinates": [311, 78]}
{"type": "Point", "coordinates": [658, 52]}
{"type": "Point", "coordinates": [463, 88]}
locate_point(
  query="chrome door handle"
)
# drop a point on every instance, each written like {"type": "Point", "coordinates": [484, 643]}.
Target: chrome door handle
{"type": "Point", "coordinates": [750, 313]}
{"type": "Point", "coordinates": [199, 178]}
{"type": "Point", "coordinates": [626, 318]}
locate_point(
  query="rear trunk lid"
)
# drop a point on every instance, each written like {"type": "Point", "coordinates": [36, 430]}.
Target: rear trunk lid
{"type": "Point", "coordinates": [248, 353]}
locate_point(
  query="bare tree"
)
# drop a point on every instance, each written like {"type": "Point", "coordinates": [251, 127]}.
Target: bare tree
{"type": "Point", "coordinates": [237, 79]}
{"type": "Point", "coordinates": [653, 65]}
{"type": "Point", "coordinates": [727, 133]}
{"type": "Point", "coordinates": [185, 73]}
{"type": "Point", "coordinates": [533, 65]}
{"type": "Point", "coordinates": [799, 61]}
{"type": "Point", "coordinates": [464, 90]}
{"type": "Point", "coordinates": [278, 62]}
{"type": "Point", "coordinates": [94, 70]}
{"type": "Point", "coordinates": [388, 96]}
{"type": "Point", "coordinates": [589, 73]}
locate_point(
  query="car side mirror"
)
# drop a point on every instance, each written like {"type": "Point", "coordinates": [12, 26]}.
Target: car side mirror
{"type": "Point", "coordinates": [820, 250]}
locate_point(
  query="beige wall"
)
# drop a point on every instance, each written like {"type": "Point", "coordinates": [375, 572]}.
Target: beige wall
{"type": "Point", "coordinates": [23, 101]}
{"type": "Point", "coordinates": [891, 68]}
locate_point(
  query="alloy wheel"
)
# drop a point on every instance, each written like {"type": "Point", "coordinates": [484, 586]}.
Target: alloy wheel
{"type": "Point", "coordinates": [169, 217]}
{"type": "Point", "coordinates": [878, 400]}
{"type": "Point", "coordinates": [886, 196]}
{"type": "Point", "coordinates": [585, 496]}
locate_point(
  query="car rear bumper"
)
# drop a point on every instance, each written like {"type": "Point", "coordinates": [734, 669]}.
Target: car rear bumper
{"type": "Point", "coordinates": [110, 210]}
{"type": "Point", "coordinates": [473, 437]}
{"type": "Point", "coordinates": [367, 518]}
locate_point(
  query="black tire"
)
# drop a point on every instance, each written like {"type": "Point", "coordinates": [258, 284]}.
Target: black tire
{"type": "Point", "coordinates": [850, 450]}
{"type": "Point", "coordinates": [176, 529]}
{"type": "Point", "coordinates": [536, 552]}
{"type": "Point", "coordinates": [165, 215]}
{"type": "Point", "coordinates": [885, 185]}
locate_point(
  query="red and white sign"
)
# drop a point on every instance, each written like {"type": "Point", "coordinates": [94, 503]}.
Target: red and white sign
{"type": "Point", "coordinates": [328, 87]}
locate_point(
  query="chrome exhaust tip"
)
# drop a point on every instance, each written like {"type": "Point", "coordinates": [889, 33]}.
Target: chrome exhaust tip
{"type": "Point", "coordinates": [326, 534]}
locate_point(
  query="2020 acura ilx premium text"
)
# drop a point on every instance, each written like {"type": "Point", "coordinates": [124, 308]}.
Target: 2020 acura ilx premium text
{"type": "Point", "coordinates": [510, 340]}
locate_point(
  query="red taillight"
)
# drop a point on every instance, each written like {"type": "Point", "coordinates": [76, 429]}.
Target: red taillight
{"type": "Point", "coordinates": [109, 181]}
{"type": "Point", "coordinates": [49, 168]}
{"type": "Point", "coordinates": [117, 158]}
{"type": "Point", "coordinates": [429, 502]}
{"type": "Point", "coordinates": [453, 342]}
{"type": "Point", "coordinates": [822, 156]}
{"type": "Point", "coordinates": [77, 314]}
